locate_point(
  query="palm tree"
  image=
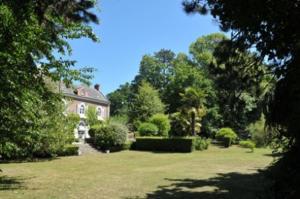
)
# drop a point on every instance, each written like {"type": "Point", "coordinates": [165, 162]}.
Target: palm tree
{"type": "Point", "coordinates": [192, 100]}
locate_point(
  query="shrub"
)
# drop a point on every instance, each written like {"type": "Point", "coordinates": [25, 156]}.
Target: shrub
{"type": "Point", "coordinates": [162, 122]}
{"type": "Point", "coordinates": [127, 145]}
{"type": "Point", "coordinates": [148, 129]}
{"type": "Point", "coordinates": [111, 136]}
{"type": "Point", "coordinates": [201, 143]}
{"type": "Point", "coordinates": [227, 136]}
{"type": "Point", "coordinates": [120, 119]}
{"type": "Point", "coordinates": [68, 150]}
{"type": "Point", "coordinates": [247, 144]}
{"type": "Point", "coordinates": [179, 125]}
{"type": "Point", "coordinates": [258, 132]}
{"type": "Point", "coordinates": [163, 144]}
{"type": "Point", "coordinates": [91, 116]}
{"type": "Point", "coordinates": [93, 129]}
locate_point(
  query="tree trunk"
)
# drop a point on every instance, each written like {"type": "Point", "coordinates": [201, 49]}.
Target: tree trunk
{"type": "Point", "coordinates": [193, 124]}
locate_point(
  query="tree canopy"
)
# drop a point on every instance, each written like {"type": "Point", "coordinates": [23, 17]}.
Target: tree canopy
{"type": "Point", "coordinates": [33, 40]}
{"type": "Point", "coordinates": [271, 29]}
{"type": "Point", "coordinates": [145, 104]}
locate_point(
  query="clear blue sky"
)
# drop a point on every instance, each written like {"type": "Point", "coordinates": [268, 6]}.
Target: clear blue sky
{"type": "Point", "coordinates": [129, 29]}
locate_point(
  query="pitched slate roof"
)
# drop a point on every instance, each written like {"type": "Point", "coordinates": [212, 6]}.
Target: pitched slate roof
{"type": "Point", "coordinates": [84, 93]}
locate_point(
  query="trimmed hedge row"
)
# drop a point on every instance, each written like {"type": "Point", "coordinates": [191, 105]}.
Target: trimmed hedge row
{"type": "Point", "coordinates": [164, 144]}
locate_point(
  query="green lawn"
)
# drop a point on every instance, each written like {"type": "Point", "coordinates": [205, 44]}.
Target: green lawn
{"type": "Point", "coordinates": [215, 173]}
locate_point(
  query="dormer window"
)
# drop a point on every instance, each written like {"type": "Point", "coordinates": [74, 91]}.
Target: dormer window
{"type": "Point", "coordinates": [81, 109]}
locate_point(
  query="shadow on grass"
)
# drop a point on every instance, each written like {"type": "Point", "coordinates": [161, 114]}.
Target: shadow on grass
{"type": "Point", "coordinates": [224, 186]}
{"type": "Point", "coordinates": [11, 183]}
{"type": "Point", "coordinates": [274, 155]}
{"type": "Point", "coordinates": [29, 160]}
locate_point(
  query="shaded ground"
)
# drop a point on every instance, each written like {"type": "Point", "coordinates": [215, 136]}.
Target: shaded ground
{"type": "Point", "coordinates": [217, 173]}
{"type": "Point", "coordinates": [230, 185]}
{"type": "Point", "coordinates": [11, 183]}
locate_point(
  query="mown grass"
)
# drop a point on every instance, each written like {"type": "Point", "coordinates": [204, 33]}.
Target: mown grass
{"type": "Point", "coordinates": [215, 173]}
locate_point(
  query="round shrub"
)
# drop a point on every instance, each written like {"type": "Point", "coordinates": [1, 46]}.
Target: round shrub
{"type": "Point", "coordinates": [227, 136]}
{"type": "Point", "coordinates": [93, 129]}
{"type": "Point", "coordinates": [247, 144]}
{"type": "Point", "coordinates": [162, 122]}
{"type": "Point", "coordinates": [148, 129]}
{"type": "Point", "coordinates": [201, 143]}
{"type": "Point", "coordinates": [111, 136]}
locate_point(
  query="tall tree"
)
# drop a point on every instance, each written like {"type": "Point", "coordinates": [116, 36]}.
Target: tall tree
{"type": "Point", "coordinates": [185, 74]}
{"type": "Point", "coordinates": [239, 79]}
{"type": "Point", "coordinates": [202, 56]}
{"type": "Point", "coordinates": [30, 32]}
{"type": "Point", "coordinates": [193, 104]}
{"type": "Point", "coordinates": [156, 70]}
{"type": "Point", "coordinates": [120, 100]}
{"type": "Point", "coordinates": [203, 48]}
{"type": "Point", "coordinates": [145, 104]}
{"type": "Point", "coordinates": [271, 27]}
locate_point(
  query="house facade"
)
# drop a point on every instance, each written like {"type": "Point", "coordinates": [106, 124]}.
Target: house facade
{"type": "Point", "coordinates": [78, 100]}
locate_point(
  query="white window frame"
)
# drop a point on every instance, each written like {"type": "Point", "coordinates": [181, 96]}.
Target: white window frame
{"type": "Point", "coordinates": [82, 108]}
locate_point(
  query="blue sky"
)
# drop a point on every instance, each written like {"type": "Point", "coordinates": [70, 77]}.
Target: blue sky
{"type": "Point", "coordinates": [129, 29]}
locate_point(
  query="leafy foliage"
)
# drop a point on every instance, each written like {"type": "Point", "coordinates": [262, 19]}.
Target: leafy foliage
{"type": "Point", "coordinates": [187, 120]}
{"type": "Point", "coordinates": [30, 32]}
{"type": "Point", "coordinates": [53, 132]}
{"type": "Point", "coordinates": [145, 104]}
{"type": "Point", "coordinates": [240, 80]}
{"type": "Point", "coordinates": [110, 136]}
{"type": "Point", "coordinates": [247, 144]}
{"type": "Point", "coordinates": [120, 100]}
{"type": "Point", "coordinates": [274, 34]}
{"type": "Point", "coordinates": [201, 143]}
{"type": "Point", "coordinates": [91, 116]}
{"type": "Point", "coordinates": [68, 150]}
{"type": "Point", "coordinates": [260, 134]}
{"type": "Point", "coordinates": [203, 48]}
{"type": "Point", "coordinates": [162, 122]}
{"type": "Point", "coordinates": [148, 129]}
{"type": "Point", "coordinates": [156, 70]}
{"type": "Point", "coordinates": [227, 136]}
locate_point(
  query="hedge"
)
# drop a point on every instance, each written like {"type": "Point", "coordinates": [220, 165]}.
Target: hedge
{"type": "Point", "coordinates": [69, 150]}
{"type": "Point", "coordinates": [164, 144]}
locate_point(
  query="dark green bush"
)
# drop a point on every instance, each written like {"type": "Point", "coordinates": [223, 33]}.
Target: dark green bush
{"type": "Point", "coordinates": [163, 144]}
{"type": "Point", "coordinates": [162, 122]}
{"type": "Point", "coordinates": [127, 145]}
{"type": "Point", "coordinates": [247, 144]}
{"type": "Point", "coordinates": [201, 143]}
{"type": "Point", "coordinates": [259, 134]}
{"type": "Point", "coordinates": [227, 136]}
{"type": "Point", "coordinates": [68, 150]}
{"type": "Point", "coordinates": [148, 129]}
{"type": "Point", "coordinates": [93, 129]}
{"type": "Point", "coordinates": [110, 136]}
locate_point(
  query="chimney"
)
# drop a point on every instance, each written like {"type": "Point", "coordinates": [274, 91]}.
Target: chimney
{"type": "Point", "coordinates": [97, 87]}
